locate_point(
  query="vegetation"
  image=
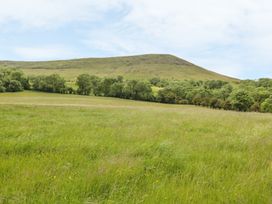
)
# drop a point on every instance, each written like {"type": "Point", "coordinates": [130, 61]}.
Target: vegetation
{"type": "Point", "coordinates": [106, 150]}
{"type": "Point", "coordinates": [135, 67]}
{"type": "Point", "coordinates": [248, 95]}
{"type": "Point", "coordinates": [12, 80]}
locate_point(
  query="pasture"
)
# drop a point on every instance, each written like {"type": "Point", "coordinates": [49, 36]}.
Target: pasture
{"type": "Point", "coordinates": [82, 149]}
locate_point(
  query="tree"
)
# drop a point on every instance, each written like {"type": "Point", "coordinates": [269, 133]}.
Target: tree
{"type": "Point", "coordinates": [84, 84]}
{"type": "Point", "coordinates": [260, 94]}
{"type": "Point", "coordinates": [2, 88]}
{"type": "Point", "coordinates": [264, 82]}
{"type": "Point", "coordinates": [155, 81]}
{"type": "Point", "coordinates": [129, 89]}
{"type": "Point", "coordinates": [38, 82]}
{"type": "Point", "coordinates": [143, 91]}
{"type": "Point", "coordinates": [8, 78]}
{"type": "Point", "coordinates": [226, 105]}
{"type": "Point", "coordinates": [14, 86]}
{"type": "Point", "coordinates": [224, 92]}
{"type": "Point", "coordinates": [255, 107]}
{"type": "Point", "coordinates": [166, 95]}
{"type": "Point", "coordinates": [106, 85]}
{"type": "Point", "coordinates": [19, 76]}
{"type": "Point", "coordinates": [96, 88]}
{"type": "Point", "coordinates": [216, 103]}
{"type": "Point", "coordinates": [266, 106]}
{"type": "Point", "coordinates": [117, 90]}
{"type": "Point", "coordinates": [52, 83]}
{"type": "Point", "coordinates": [241, 100]}
{"type": "Point", "coordinates": [214, 84]}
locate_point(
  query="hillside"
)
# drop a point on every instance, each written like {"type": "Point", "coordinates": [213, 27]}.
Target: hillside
{"type": "Point", "coordinates": [140, 67]}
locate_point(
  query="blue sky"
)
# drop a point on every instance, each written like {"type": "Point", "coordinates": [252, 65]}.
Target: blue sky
{"type": "Point", "coordinates": [232, 37]}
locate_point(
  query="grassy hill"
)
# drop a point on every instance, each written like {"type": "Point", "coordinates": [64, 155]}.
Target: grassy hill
{"type": "Point", "coordinates": [140, 67]}
{"type": "Point", "coordinates": [75, 149]}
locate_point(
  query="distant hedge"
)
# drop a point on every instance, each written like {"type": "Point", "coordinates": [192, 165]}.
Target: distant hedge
{"type": "Point", "coordinates": [247, 95]}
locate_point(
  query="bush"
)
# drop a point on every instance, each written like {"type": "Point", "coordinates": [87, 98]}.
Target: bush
{"type": "Point", "coordinates": [241, 100]}
{"type": "Point", "coordinates": [52, 83]}
{"type": "Point", "coordinates": [266, 106]}
{"type": "Point", "coordinates": [117, 90]}
{"type": "Point", "coordinates": [249, 95]}
{"type": "Point", "coordinates": [2, 88]}
{"type": "Point", "coordinates": [13, 80]}
{"type": "Point", "coordinates": [84, 84]}
{"type": "Point", "coordinates": [167, 95]}
{"type": "Point", "coordinates": [155, 81]}
{"type": "Point", "coordinates": [14, 86]}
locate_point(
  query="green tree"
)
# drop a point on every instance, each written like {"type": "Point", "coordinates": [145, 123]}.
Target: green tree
{"type": "Point", "coordinates": [264, 82]}
{"type": "Point", "coordinates": [2, 88]}
{"type": "Point", "coordinates": [155, 81]}
{"type": "Point", "coordinates": [266, 106]}
{"type": "Point", "coordinates": [96, 88]}
{"type": "Point", "coordinates": [14, 86]}
{"type": "Point", "coordinates": [117, 90]}
{"type": "Point", "coordinates": [19, 76]}
{"type": "Point", "coordinates": [241, 100]}
{"type": "Point", "coordinates": [143, 91]}
{"type": "Point", "coordinates": [52, 83]}
{"type": "Point", "coordinates": [84, 84]}
{"type": "Point", "coordinates": [106, 85]}
{"type": "Point", "coordinates": [167, 95]}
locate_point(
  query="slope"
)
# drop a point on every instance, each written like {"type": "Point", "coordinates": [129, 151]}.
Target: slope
{"type": "Point", "coordinates": [139, 67]}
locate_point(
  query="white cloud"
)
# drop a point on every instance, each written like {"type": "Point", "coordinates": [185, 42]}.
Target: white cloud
{"type": "Point", "coordinates": [52, 13]}
{"type": "Point", "coordinates": [44, 52]}
{"type": "Point", "coordinates": [233, 36]}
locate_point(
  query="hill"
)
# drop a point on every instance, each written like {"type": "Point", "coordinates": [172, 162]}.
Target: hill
{"type": "Point", "coordinates": [139, 67]}
{"type": "Point", "coordinates": [76, 149]}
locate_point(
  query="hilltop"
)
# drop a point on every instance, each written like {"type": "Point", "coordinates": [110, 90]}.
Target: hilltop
{"type": "Point", "coordinates": [140, 67]}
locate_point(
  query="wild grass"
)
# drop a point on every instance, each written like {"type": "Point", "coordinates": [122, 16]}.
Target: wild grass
{"type": "Point", "coordinates": [133, 67]}
{"type": "Point", "coordinates": [74, 149]}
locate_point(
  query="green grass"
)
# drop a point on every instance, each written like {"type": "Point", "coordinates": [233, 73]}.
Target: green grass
{"type": "Point", "coordinates": [74, 149]}
{"type": "Point", "coordinates": [134, 67]}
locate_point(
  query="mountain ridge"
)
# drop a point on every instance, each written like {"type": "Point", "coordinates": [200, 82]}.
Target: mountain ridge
{"type": "Point", "coordinates": [137, 66]}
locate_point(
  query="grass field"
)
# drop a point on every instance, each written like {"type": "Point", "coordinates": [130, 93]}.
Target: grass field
{"type": "Point", "coordinates": [133, 67]}
{"type": "Point", "coordinates": [74, 149]}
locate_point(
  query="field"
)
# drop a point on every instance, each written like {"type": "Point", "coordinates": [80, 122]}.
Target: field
{"type": "Point", "coordinates": [75, 149]}
{"type": "Point", "coordinates": [133, 67]}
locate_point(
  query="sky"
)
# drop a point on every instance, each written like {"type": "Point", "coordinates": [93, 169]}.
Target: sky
{"type": "Point", "coordinates": [232, 37]}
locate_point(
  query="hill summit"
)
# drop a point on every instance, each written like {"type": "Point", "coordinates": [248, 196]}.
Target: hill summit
{"type": "Point", "coordinates": [138, 67]}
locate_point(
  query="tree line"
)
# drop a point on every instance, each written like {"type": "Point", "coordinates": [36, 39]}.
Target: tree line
{"type": "Point", "coordinates": [246, 95]}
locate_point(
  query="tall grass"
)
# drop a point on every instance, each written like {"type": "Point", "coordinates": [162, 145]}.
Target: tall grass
{"type": "Point", "coordinates": [116, 151]}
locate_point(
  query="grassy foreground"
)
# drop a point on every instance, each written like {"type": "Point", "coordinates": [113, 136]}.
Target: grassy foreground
{"type": "Point", "coordinates": [75, 149]}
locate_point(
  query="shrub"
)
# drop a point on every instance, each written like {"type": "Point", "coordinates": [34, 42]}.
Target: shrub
{"type": "Point", "coordinates": [52, 83]}
{"type": "Point", "coordinates": [155, 81]}
{"type": "Point", "coordinates": [117, 90]}
{"type": "Point", "coordinates": [2, 88]}
{"type": "Point", "coordinates": [266, 106]}
{"type": "Point", "coordinates": [241, 100]}
{"type": "Point", "coordinates": [14, 86]}
{"type": "Point", "coordinates": [84, 84]}
{"type": "Point", "coordinates": [167, 95]}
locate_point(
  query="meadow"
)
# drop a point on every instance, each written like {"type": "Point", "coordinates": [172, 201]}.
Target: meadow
{"type": "Point", "coordinates": [82, 149]}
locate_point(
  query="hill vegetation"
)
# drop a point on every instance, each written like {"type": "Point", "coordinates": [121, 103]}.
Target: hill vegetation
{"type": "Point", "coordinates": [133, 67]}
